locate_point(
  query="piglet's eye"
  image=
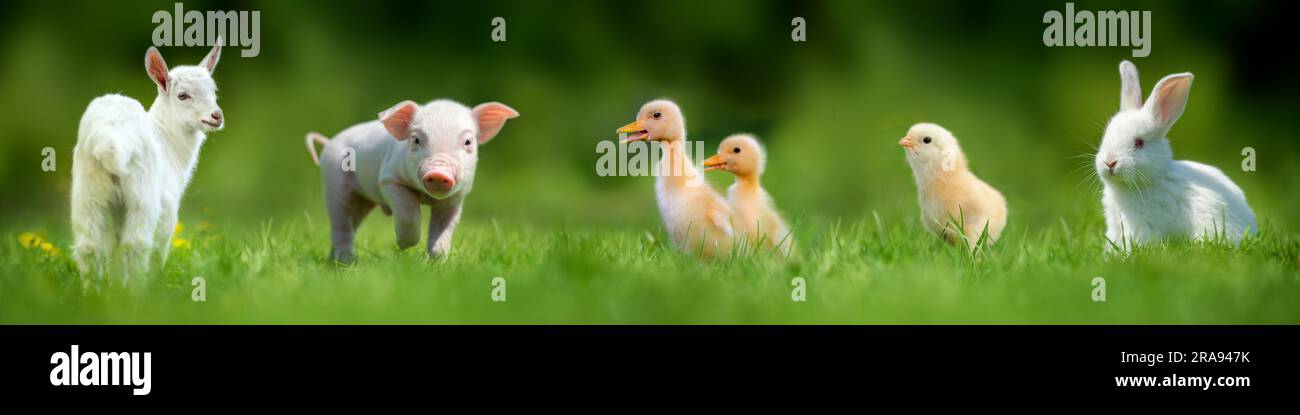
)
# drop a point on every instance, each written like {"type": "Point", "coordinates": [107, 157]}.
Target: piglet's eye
{"type": "Point", "coordinates": [1139, 143]}
{"type": "Point", "coordinates": [467, 142]}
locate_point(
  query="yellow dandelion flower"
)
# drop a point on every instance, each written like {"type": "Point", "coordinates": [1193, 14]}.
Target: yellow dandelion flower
{"type": "Point", "coordinates": [180, 226]}
{"type": "Point", "coordinates": [179, 243]}
{"type": "Point", "coordinates": [49, 249]}
{"type": "Point", "coordinates": [29, 240]}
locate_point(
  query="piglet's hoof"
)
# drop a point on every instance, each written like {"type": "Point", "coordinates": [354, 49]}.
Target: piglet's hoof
{"type": "Point", "coordinates": [343, 257]}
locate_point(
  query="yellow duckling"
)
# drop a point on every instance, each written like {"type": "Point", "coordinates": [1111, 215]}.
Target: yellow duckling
{"type": "Point", "coordinates": [756, 214]}
{"type": "Point", "coordinates": [697, 218]}
{"type": "Point", "coordinates": [946, 188]}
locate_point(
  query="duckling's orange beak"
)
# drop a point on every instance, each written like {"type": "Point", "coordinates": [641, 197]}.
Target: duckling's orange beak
{"type": "Point", "coordinates": [907, 142]}
{"type": "Point", "coordinates": [714, 163]}
{"type": "Point", "coordinates": [635, 132]}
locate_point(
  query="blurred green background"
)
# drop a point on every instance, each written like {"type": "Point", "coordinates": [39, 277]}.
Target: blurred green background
{"type": "Point", "coordinates": [830, 110]}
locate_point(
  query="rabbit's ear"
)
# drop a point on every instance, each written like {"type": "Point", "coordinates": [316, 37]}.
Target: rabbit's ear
{"type": "Point", "coordinates": [1169, 98]}
{"type": "Point", "coordinates": [1130, 92]}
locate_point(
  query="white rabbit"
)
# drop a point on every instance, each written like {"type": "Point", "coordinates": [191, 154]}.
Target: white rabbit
{"type": "Point", "coordinates": [1148, 195]}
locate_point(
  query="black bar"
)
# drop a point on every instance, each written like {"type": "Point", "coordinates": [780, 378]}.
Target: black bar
{"type": "Point", "coordinates": [292, 362]}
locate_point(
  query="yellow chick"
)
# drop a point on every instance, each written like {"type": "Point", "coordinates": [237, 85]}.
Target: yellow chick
{"type": "Point", "coordinates": [947, 190]}
{"type": "Point", "coordinates": [756, 214]}
{"type": "Point", "coordinates": [697, 218]}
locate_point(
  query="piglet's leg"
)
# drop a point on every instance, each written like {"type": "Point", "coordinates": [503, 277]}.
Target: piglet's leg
{"type": "Point", "coordinates": [346, 215]}
{"type": "Point", "coordinates": [442, 223]}
{"type": "Point", "coordinates": [406, 213]}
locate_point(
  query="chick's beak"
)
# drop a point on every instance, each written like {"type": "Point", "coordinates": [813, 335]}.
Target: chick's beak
{"type": "Point", "coordinates": [635, 132]}
{"type": "Point", "coordinates": [906, 142]}
{"type": "Point", "coordinates": [714, 163]}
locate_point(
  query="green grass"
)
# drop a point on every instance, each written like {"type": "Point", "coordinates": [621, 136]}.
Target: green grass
{"type": "Point", "coordinates": [872, 271]}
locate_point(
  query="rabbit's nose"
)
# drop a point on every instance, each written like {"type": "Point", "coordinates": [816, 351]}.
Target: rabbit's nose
{"type": "Point", "coordinates": [1111, 164]}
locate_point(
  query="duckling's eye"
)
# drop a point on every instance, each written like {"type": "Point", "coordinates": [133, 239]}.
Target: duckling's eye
{"type": "Point", "coordinates": [1139, 143]}
{"type": "Point", "coordinates": [736, 150]}
{"type": "Point", "coordinates": [657, 115]}
{"type": "Point", "coordinates": [926, 140]}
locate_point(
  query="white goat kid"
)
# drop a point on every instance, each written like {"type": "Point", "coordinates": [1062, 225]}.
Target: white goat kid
{"type": "Point", "coordinates": [131, 167]}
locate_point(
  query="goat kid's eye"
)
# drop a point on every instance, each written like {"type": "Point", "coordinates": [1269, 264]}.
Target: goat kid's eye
{"type": "Point", "coordinates": [1139, 143]}
{"type": "Point", "coordinates": [183, 96]}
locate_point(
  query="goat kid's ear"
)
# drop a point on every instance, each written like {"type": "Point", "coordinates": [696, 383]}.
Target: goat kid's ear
{"type": "Point", "coordinates": [1169, 99]}
{"type": "Point", "coordinates": [397, 120]}
{"type": "Point", "coordinates": [491, 116]}
{"type": "Point", "coordinates": [1130, 93]}
{"type": "Point", "coordinates": [156, 67]}
{"type": "Point", "coordinates": [210, 61]}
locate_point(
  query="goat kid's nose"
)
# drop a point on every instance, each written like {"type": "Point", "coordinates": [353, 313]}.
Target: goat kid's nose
{"type": "Point", "coordinates": [216, 116]}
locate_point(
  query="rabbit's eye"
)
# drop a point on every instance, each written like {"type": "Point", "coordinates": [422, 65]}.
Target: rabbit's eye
{"type": "Point", "coordinates": [926, 140]}
{"type": "Point", "coordinates": [1139, 143]}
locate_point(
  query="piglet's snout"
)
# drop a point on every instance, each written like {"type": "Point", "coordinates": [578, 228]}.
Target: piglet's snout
{"type": "Point", "coordinates": [439, 179]}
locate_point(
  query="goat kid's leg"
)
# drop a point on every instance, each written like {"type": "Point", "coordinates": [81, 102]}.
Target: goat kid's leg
{"type": "Point", "coordinates": [141, 215]}
{"type": "Point", "coordinates": [163, 236]}
{"type": "Point", "coordinates": [92, 220]}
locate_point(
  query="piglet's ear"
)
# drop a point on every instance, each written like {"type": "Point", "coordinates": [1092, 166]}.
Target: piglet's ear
{"type": "Point", "coordinates": [210, 61]}
{"type": "Point", "coordinates": [156, 67]}
{"type": "Point", "coordinates": [397, 120]}
{"type": "Point", "coordinates": [491, 116]}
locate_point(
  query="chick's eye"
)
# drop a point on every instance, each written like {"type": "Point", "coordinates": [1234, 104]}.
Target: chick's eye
{"type": "Point", "coordinates": [1139, 143]}
{"type": "Point", "coordinates": [926, 140]}
{"type": "Point", "coordinates": [183, 96]}
{"type": "Point", "coordinates": [736, 150]}
{"type": "Point", "coordinates": [657, 115]}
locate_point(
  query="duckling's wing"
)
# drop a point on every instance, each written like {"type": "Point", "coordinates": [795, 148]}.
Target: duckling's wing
{"type": "Point", "coordinates": [722, 220]}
